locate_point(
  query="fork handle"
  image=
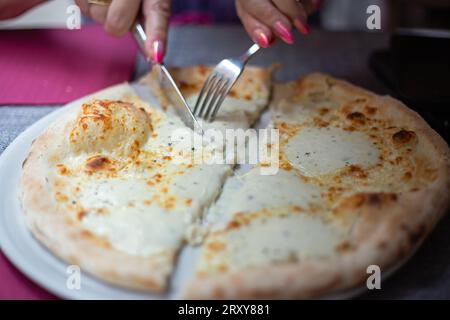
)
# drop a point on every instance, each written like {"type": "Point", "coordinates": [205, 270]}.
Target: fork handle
{"type": "Point", "coordinates": [249, 53]}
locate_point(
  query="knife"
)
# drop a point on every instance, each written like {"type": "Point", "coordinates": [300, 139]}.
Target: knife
{"type": "Point", "coordinates": [168, 84]}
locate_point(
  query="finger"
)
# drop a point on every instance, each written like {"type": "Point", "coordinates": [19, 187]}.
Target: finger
{"type": "Point", "coordinates": [296, 11]}
{"type": "Point", "coordinates": [121, 15]}
{"type": "Point", "coordinates": [97, 12]}
{"type": "Point", "coordinates": [258, 31]}
{"type": "Point", "coordinates": [157, 15]}
{"type": "Point", "coordinates": [265, 11]}
{"type": "Point", "coordinates": [83, 5]}
{"type": "Point", "coordinates": [13, 9]}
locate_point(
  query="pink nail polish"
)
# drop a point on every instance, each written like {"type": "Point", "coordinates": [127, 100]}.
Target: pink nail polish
{"type": "Point", "coordinates": [302, 27]}
{"type": "Point", "coordinates": [158, 51]}
{"type": "Point", "coordinates": [284, 32]}
{"type": "Point", "coordinates": [261, 38]}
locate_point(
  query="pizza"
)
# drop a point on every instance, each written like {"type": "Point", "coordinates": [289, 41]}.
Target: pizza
{"type": "Point", "coordinates": [102, 188]}
{"type": "Point", "coordinates": [361, 181]}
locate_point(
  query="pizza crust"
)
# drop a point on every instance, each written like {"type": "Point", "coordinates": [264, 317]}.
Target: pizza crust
{"type": "Point", "coordinates": [389, 228]}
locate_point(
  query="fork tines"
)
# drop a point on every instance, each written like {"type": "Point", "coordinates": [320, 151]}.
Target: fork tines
{"type": "Point", "coordinates": [211, 96]}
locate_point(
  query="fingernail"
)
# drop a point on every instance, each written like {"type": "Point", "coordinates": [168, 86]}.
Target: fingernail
{"type": "Point", "coordinates": [301, 26]}
{"type": "Point", "coordinates": [158, 51]}
{"type": "Point", "coordinates": [261, 38]}
{"type": "Point", "coordinates": [284, 32]}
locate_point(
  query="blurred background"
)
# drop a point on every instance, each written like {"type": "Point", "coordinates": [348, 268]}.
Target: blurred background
{"type": "Point", "coordinates": [334, 15]}
{"type": "Point", "coordinates": [38, 66]}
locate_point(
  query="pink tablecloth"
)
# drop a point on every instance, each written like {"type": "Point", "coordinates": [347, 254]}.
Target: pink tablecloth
{"type": "Point", "coordinates": [45, 67]}
{"type": "Point", "coordinates": [55, 67]}
{"type": "Point", "coordinates": [14, 285]}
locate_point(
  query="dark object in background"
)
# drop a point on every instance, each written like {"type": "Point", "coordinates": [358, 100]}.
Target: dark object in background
{"type": "Point", "coordinates": [421, 13]}
{"type": "Point", "coordinates": [416, 70]}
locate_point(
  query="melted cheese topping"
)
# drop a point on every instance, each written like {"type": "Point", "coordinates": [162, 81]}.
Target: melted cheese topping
{"type": "Point", "coordinates": [261, 219]}
{"type": "Point", "coordinates": [139, 230]}
{"type": "Point", "coordinates": [318, 151]}
{"type": "Point", "coordinates": [121, 181]}
{"type": "Point", "coordinates": [266, 240]}
{"type": "Point", "coordinates": [254, 192]}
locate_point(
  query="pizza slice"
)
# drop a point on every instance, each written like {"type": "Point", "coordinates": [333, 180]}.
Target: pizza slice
{"type": "Point", "coordinates": [241, 108]}
{"type": "Point", "coordinates": [362, 181]}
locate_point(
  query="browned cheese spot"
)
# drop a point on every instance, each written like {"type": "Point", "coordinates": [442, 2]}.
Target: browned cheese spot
{"type": "Point", "coordinates": [357, 171]}
{"type": "Point", "coordinates": [379, 199]}
{"type": "Point", "coordinates": [86, 234]}
{"type": "Point", "coordinates": [407, 176]}
{"type": "Point", "coordinates": [370, 110]}
{"type": "Point", "coordinates": [62, 170]}
{"type": "Point", "coordinates": [97, 163]}
{"type": "Point", "coordinates": [216, 246]}
{"type": "Point", "coordinates": [323, 111]}
{"type": "Point", "coordinates": [81, 214]}
{"type": "Point", "coordinates": [404, 137]}
{"type": "Point", "coordinates": [357, 118]}
{"type": "Point", "coordinates": [359, 200]}
{"type": "Point", "coordinates": [343, 247]}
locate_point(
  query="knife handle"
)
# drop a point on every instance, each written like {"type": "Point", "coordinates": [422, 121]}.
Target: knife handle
{"type": "Point", "coordinates": [141, 38]}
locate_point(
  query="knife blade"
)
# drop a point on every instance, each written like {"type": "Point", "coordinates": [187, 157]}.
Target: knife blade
{"type": "Point", "coordinates": [168, 84]}
{"type": "Point", "coordinates": [176, 99]}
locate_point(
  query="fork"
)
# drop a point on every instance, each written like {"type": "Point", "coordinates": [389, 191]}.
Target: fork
{"type": "Point", "coordinates": [219, 83]}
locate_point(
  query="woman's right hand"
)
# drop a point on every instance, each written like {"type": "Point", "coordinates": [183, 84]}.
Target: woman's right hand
{"type": "Point", "coordinates": [12, 8]}
{"type": "Point", "coordinates": [266, 19]}
{"type": "Point", "coordinates": [120, 15]}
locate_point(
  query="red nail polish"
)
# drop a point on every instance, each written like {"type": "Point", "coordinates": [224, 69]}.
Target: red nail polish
{"type": "Point", "coordinates": [261, 38]}
{"type": "Point", "coordinates": [284, 32]}
{"type": "Point", "coordinates": [158, 51]}
{"type": "Point", "coordinates": [302, 27]}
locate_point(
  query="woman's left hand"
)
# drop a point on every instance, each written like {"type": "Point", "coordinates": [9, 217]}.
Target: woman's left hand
{"type": "Point", "coordinates": [266, 19]}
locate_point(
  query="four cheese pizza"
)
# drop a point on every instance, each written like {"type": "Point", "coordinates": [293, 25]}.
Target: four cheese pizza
{"type": "Point", "coordinates": [361, 181]}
